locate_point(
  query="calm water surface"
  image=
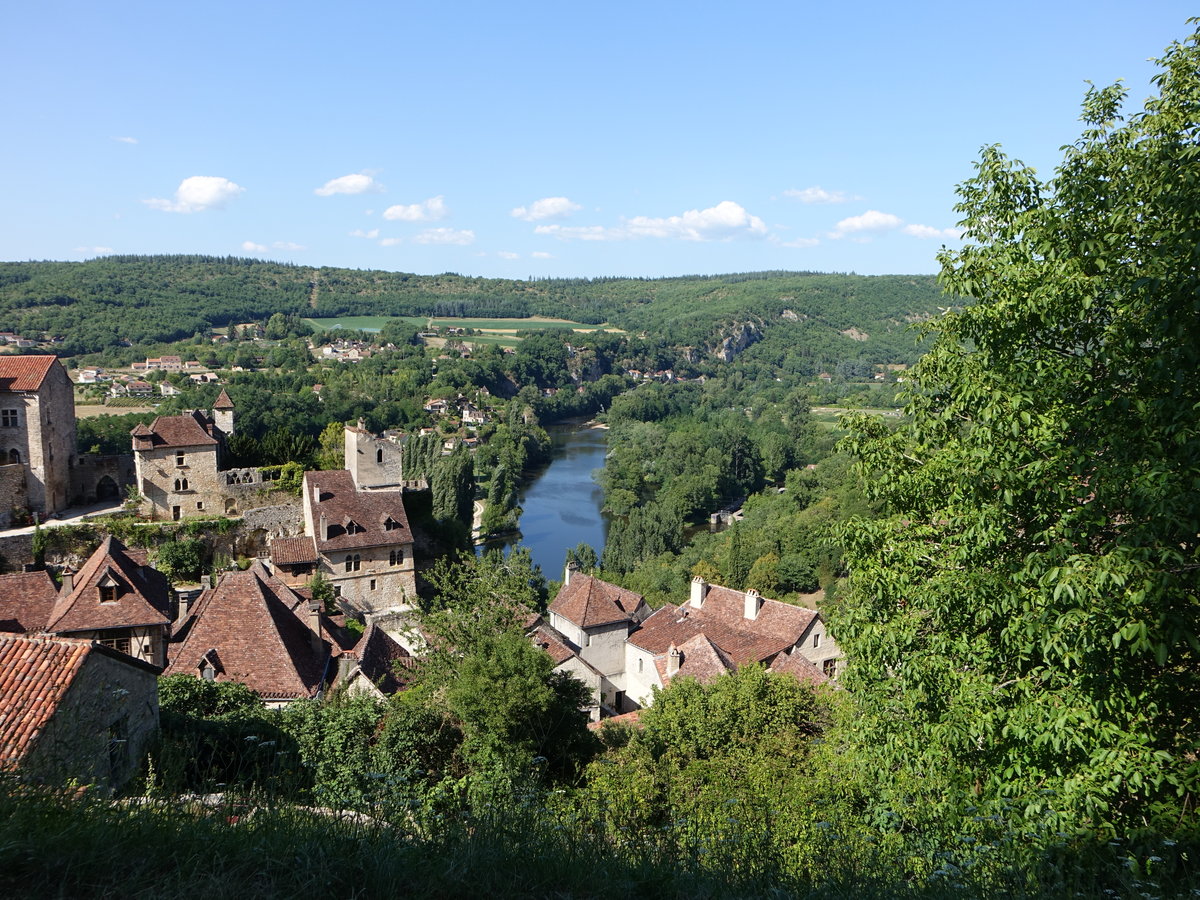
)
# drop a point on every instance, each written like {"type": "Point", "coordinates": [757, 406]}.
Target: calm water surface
{"type": "Point", "coordinates": [561, 502]}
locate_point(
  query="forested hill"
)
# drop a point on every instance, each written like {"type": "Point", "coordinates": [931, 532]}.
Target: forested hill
{"type": "Point", "coordinates": [154, 299]}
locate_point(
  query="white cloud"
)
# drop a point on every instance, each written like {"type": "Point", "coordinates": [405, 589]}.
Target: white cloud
{"type": "Point", "coordinates": [445, 236]}
{"type": "Point", "coordinates": [391, 242]}
{"type": "Point", "coordinates": [508, 254]}
{"type": "Point", "coordinates": [126, 140]}
{"type": "Point", "coordinates": [251, 247]}
{"type": "Point", "coordinates": [371, 235]}
{"type": "Point", "coordinates": [359, 183]}
{"type": "Point", "coordinates": [546, 208]}
{"type": "Point", "coordinates": [197, 194]}
{"type": "Point", "coordinates": [871, 221]}
{"type": "Point", "coordinates": [818, 194]}
{"type": "Point", "coordinates": [287, 245]}
{"type": "Point", "coordinates": [927, 231]}
{"type": "Point", "coordinates": [93, 251]}
{"type": "Point", "coordinates": [723, 222]}
{"type": "Point", "coordinates": [427, 211]}
{"type": "Point", "coordinates": [541, 254]}
{"type": "Point", "coordinates": [581, 232]}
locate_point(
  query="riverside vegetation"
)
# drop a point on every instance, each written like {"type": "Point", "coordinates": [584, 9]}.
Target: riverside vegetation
{"type": "Point", "coordinates": [1014, 574]}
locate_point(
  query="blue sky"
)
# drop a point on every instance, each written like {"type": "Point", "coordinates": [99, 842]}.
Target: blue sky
{"type": "Point", "coordinates": [535, 139]}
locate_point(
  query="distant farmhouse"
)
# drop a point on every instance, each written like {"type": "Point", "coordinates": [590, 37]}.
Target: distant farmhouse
{"type": "Point", "coordinates": [40, 470]}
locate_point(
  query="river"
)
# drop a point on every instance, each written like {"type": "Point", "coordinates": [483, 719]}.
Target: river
{"type": "Point", "coordinates": [561, 502]}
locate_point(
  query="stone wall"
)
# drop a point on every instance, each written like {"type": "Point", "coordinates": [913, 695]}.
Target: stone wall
{"type": "Point", "coordinates": [101, 728]}
{"type": "Point", "coordinates": [95, 477]}
{"type": "Point", "coordinates": [12, 491]}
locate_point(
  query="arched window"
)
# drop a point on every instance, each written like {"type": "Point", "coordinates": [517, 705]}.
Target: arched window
{"type": "Point", "coordinates": [353, 563]}
{"type": "Point", "coordinates": [14, 455]}
{"type": "Point", "coordinates": [379, 455]}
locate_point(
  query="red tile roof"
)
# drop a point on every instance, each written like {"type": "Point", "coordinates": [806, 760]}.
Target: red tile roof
{"type": "Point", "coordinates": [589, 602]}
{"type": "Point", "coordinates": [290, 551]}
{"type": "Point", "coordinates": [26, 601]}
{"type": "Point", "coordinates": [24, 373]}
{"type": "Point", "coordinates": [255, 631]}
{"type": "Point", "coordinates": [223, 401]}
{"type": "Point", "coordinates": [379, 657]}
{"type": "Point", "coordinates": [192, 429]}
{"type": "Point", "coordinates": [332, 495]}
{"type": "Point", "coordinates": [777, 627]}
{"type": "Point", "coordinates": [700, 658]}
{"type": "Point", "coordinates": [143, 594]}
{"type": "Point", "coordinates": [35, 674]}
{"type": "Point", "coordinates": [554, 643]}
{"type": "Point", "coordinates": [795, 664]}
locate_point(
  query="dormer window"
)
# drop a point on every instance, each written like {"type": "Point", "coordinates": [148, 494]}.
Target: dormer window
{"type": "Point", "coordinates": [353, 527]}
{"type": "Point", "coordinates": [108, 593]}
{"type": "Point", "coordinates": [390, 524]}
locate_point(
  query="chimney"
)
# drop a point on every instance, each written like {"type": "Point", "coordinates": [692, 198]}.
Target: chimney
{"type": "Point", "coordinates": [674, 659]}
{"type": "Point", "coordinates": [314, 626]}
{"type": "Point", "coordinates": [753, 604]}
{"type": "Point", "coordinates": [346, 664]}
{"type": "Point", "coordinates": [68, 579]}
{"type": "Point", "coordinates": [699, 590]}
{"type": "Point", "coordinates": [323, 530]}
{"type": "Point", "coordinates": [572, 567]}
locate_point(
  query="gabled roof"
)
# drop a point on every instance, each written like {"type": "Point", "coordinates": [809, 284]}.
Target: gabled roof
{"type": "Point", "coordinates": [254, 629]}
{"type": "Point", "coordinates": [35, 674]}
{"type": "Point", "coordinates": [332, 494]}
{"type": "Point", "coordinates": [378, 658]}
{"type": "Point", "coordinates": [223, 401]}
{"type": "Point", "coordinates": [193, 429]}
{"type": "Point", "coordinates": [553, 642]}
{"type": "Point", "coordinates": [588, 602]}
{"type": "Point", "coordinates": [24, 373]}
{"type": "Point", "coordinates": [26, 601]}
{"type": "Point", "coordinates": [777, 627]}
{"type": "Point", "coordinates": [291, 551]}
{"type": "Point", "coordinates": [143, 594]}
{"type": "Point", "coordinates": [795, 664]}
{"type": "Point", "coordinates": [700, 658]}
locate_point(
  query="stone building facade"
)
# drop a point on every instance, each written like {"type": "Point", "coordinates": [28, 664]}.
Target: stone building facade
{"type": "Point", "coordinates": [37, 434]}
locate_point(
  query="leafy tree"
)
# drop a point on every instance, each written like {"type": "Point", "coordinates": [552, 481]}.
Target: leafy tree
{"type": "Point", "coordinates": [203, 699]}
{"type": "Point", "coordinates": [181, 560]}
{"type": "Point", "coordinates": [331, 447]}
{"type": "Point", "coordinates": [1027, 615]}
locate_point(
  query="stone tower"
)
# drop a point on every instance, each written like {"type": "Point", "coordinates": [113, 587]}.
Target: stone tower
{"type": "Point", "coordinates": [222, 413]}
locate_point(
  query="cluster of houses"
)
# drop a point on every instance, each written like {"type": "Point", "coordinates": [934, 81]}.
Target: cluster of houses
{"type": "Point", "coordinates": [461, 407]}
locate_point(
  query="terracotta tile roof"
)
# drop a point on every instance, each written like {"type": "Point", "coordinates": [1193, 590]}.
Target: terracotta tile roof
{"type": "Point", "coordinates": [254, 630]}
{"type": "Point", "coordinates": [589, 602]}
{"type": "Point", "coordinates": [332, 495]}
{"type": "Point", "coordinates": [143, 594]}
{"type": "Point", "coordinates": [553, 642]}
{"type": "Point", "coordinates": [223, 401]}
{"type": "Point", "coordinates": [24, 373]}
{"type": "Point", "coordinates": [378, 657]}
{"type": "Point", "coordinates": [700, 658]}
{"type": "Point", "coordinates": [630, 718]}
{"type": "Point", "coordinates": [795, 664]}
{"type": "Point", "coordinates": [35, 674]}
{"type": "Point", "coordinates": [290, 551]}
{"type": "Point", "coordinates": [192, 429]}
{"type": "Point", "coordinates": [777, 627]}
{"type": "Point", "coordinates": [26, 601]}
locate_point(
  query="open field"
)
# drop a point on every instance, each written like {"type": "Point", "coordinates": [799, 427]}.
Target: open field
{"type": "Point", "coordinates": [95, 409]}
{"type": "Point", "coordinates": [501, 327]}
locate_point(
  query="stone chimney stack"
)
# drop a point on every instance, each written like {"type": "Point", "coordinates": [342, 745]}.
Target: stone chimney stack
{"type": "Point", "coordinates": [314, 626]}
{"type": "Point", "coordinates": [68, 580]}
{"type": "Point", "coordinates": [699, 591]}
{"type": "Point", "coordinates": [674, 660]}
{"type": "Point", "coordinates": [323, 530]}
{"type": "Point", "coordinates": [753, 604]}
{"type": "Point", "coordinates": [571, 569]}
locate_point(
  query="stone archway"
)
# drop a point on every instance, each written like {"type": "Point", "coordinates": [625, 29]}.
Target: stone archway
{"type": "Point", "coordinates": [106, 489]}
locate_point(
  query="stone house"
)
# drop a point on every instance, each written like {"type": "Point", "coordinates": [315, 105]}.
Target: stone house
{"type": "Point", "coordinates": [375, 666]}
{"type": "Point", "coordinates": [116, 599]}
{"type": "Point", "coordinates": [180, 465]}
{"type": "Point", "coordinates": [37, 435]}
{"type": "Point", "coordinates": [718, 630]}
{"type": "Point", "coordinates": [362, 540]}
{"type": "Point", "coordinates": [73, 711]}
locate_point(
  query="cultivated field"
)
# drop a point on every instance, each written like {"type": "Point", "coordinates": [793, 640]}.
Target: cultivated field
{"type": "Point", "coordinates": [510, 328]}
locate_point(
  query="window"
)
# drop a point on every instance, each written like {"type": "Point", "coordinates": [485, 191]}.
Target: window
{"type": "Point", "coordinates": [390, 524]}
{"type": "Point", "coordinates": [179, 459]}
{"type": "Point", "coordinates": [8, 418]}
{"type": "Point", "coordinates": [353, 563]}
{"type": "Point", "coordinates": [379, 455]}
{"type": "Point", "coordinates": [181, 484]}
{"type": "Point", "coordinates": [829, 667]}
{"type": "Point", "coordinates": [353, 527]}
{"type": "Point", "coordinates": [199, 504]}
{"type": "Point", "coordinates": [396, 557]}
{"type": "Point", "coordinates": [641, 664]}
{"type": "Point", "coordinates": [816, 640]}
{"type": "Point", "coordinates": [372, 584]}
{"type": "Point", "coordinates": [115, 639]}
{"type": "Point", "coordinates": [108, 594]}
{"type": "Point", "coordinates": [14, 455]}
